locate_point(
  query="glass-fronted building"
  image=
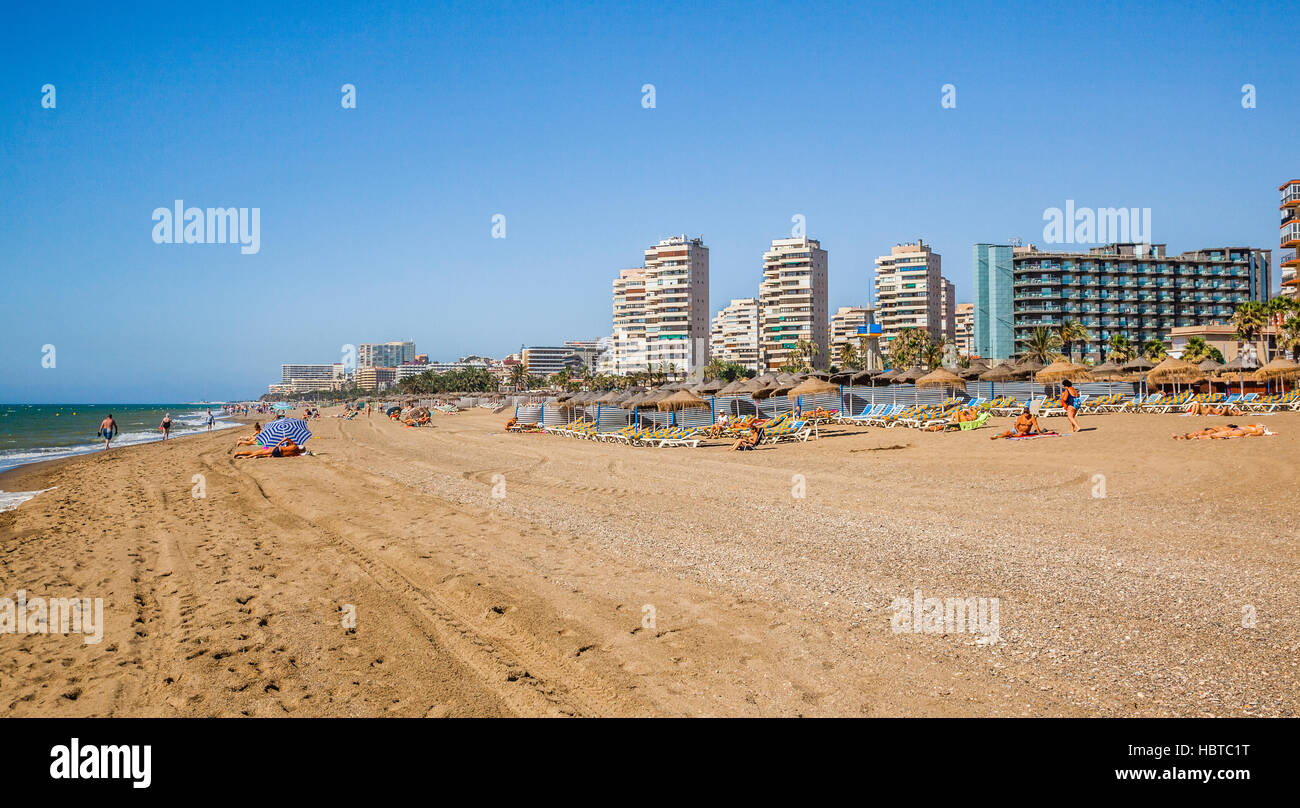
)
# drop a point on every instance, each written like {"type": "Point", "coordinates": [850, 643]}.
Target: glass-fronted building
{"type": "Point", "coordinates": [1134, 289]}
{"type": "Point", "coordinates": [994, 334]}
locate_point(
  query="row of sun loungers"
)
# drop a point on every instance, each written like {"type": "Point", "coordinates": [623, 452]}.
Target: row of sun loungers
{"type": "Point", "coordinates": [781, 428]}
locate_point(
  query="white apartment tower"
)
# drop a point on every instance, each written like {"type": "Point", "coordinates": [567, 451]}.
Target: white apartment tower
{"type": "Point", "coordinates": [793, 301]}
{"type": "Point", "coordinates": [910, 292]}
{"type": "Point", "coordinates": [734, 334]}
{"type": "Point", "coordinates": [677, 304]}
{"type": "Point", "coordinates": [626, 352]}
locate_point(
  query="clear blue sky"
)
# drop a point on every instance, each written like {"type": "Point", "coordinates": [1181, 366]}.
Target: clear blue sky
{"type": "Point", "coordinates": [376, 221]}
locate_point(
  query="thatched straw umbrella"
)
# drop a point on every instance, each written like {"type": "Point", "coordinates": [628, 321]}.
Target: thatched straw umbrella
{"type": "Point", "coordinates": [812, 387]}
{"type": "Point", "coordinates": [1176, 371]}
{"type": "Point", "coordinates": [1062, 369]}
{"type": "Point", "coordinates": [1210, 365]}
{"type": "Point", "coordinates": [772, 389]}
{"type": "Point", "coordinates": [820, 374]}
{"type": "Point", "coordinates": [680, 400]}
{"type": "Point", "coordinates": [1001, 374]}
{"type": "Point", "coordinates": [787, 377]}
{"type": "Point", "coordinates": [710, 386]}
{"type": "Point", "coordinates": [1280, 368]}
{"type": "Point", "coordinates": [1031, 366]}
{"type": "Point", "coordinates": [942, 377]}
{"type": "Point", "coordinates": [731, 389]}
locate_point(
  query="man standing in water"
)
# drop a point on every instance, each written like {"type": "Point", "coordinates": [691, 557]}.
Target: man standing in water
{"type": "Point", "coordinates": [166, 425]}
{"type": "Point", "coordinates": [211, 420]}
{"type": "Point", "coordinates": [108, 430]}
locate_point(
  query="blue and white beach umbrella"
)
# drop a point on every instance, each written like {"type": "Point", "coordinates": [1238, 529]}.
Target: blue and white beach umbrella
{"type": "Point", "coordinates": [295, 429]}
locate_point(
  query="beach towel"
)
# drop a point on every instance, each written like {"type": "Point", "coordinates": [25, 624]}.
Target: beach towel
{"type": "Point", "coordinates": [1039, 435]}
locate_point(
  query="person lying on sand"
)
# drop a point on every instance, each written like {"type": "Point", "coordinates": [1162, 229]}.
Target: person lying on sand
{"type": "Point", "coordinates": [510, 425]}
{"type": "Point", "coordinates": [749, 440]}
{"type": "Point", "coordinates": [1225, 432]}
{"type": "Point", "coordinates": [1198, 408]}
{"type": "Point", "coordinates": [1026, 425]}
{"type": "Point", "coordinates": [285, 448]}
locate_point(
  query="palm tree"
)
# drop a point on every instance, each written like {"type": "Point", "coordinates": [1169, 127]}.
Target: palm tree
{"type": "Point", "coordinates": [1121, 350]}
{"type": "Point", "coordinates": [1289, 339]}
{"type": "Point", "coordinates": [1155, 350]}
{"type": "Point", "coordinates": [1069, 332]}
{"type": "Point", "coordinates": [1250, 319]}
{"type": "Point", "coordinates": [518, 373]}
{"type": "Point", "coordinates": [905, 349]}
{"type": "Point", "coordinates": [848, 356]}
{"type": "Point", "coordinates": [931, 354]}
{"type": "Point", "coordinates": [1196, 350]}
{"type": "Point", "coordinates": [1040, 345]}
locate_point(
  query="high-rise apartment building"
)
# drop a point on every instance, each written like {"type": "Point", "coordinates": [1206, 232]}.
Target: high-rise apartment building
{"type": "Point", "coordinates": [384, 354]}
{"type": "Point", "coordinates": [626, 352]}
{"type": "Point", "coordinates": [677, 304]}
{"type": "Point", "coordinates": [793, 301]}
{"type": "Point", "coordinates": [733, 336]}
{"type": "Point", "coordinates": [948, 310]}
{"type": "Point", "coordinates": [1134, 289]}
{"type": "Point", "coordinates": [964, 336]}
{"type": "Point", "coordinates": [1290, 238]}
{"type": "Point", "coordinates": [911, 292]}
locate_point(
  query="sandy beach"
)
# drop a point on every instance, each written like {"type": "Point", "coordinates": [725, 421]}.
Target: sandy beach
{"type": "Point", "coordinates": [605, 580]}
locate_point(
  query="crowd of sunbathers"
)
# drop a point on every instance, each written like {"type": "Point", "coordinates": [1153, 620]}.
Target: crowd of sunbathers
{"type": "Point", "coordinates": [1226, 431]}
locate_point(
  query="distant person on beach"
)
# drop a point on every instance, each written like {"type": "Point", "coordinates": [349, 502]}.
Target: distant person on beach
{"type": "Point", "coordinates": [166, 425]}
{"type": "Point", "coordinates": [211, 420]}
{"type": "Point", "coordinates": [1025, 426]}
{"type": "Point", "coordinates": [1070, 401]}
{"type": "Point", "coordinates": [108, 430]}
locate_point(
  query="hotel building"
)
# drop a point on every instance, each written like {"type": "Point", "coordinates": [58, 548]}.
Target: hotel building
{"type": "Point", "coordinates": [733, 336]}
{"type": "Point", "coordinates": [677, 304]}
{"type": "Point", "coordinates": [911, 292]}
{"type": "Point", "coordinates": [330, 372]}
{"type": "Point", "coordinates": [1133, 289]}
{"type": "Point", "coordinates": [384, 354]}
{"type": "Point", "coordinates": [543, 360]}
{"type": "Point", "coordinates": [1290, 238]}
{"type": "Point", "coordinates": [793, 301]}
{"type": "Point", "coordinates": [964, 336]}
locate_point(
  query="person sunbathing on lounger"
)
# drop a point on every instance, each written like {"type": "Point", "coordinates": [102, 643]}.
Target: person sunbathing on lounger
{"type": "Point", "coordinates": [1026, 425]}
{"type": "Point", "coordinates": [750, 440]}
{"type": "Point", "coordinates": [510, 425]}
{"type": "Point", "coordinates": [719, 427]}
{"type": "Point", "coordinates": [285, 448]}
{"type": "Point", "coordinates": [1199, 408]}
